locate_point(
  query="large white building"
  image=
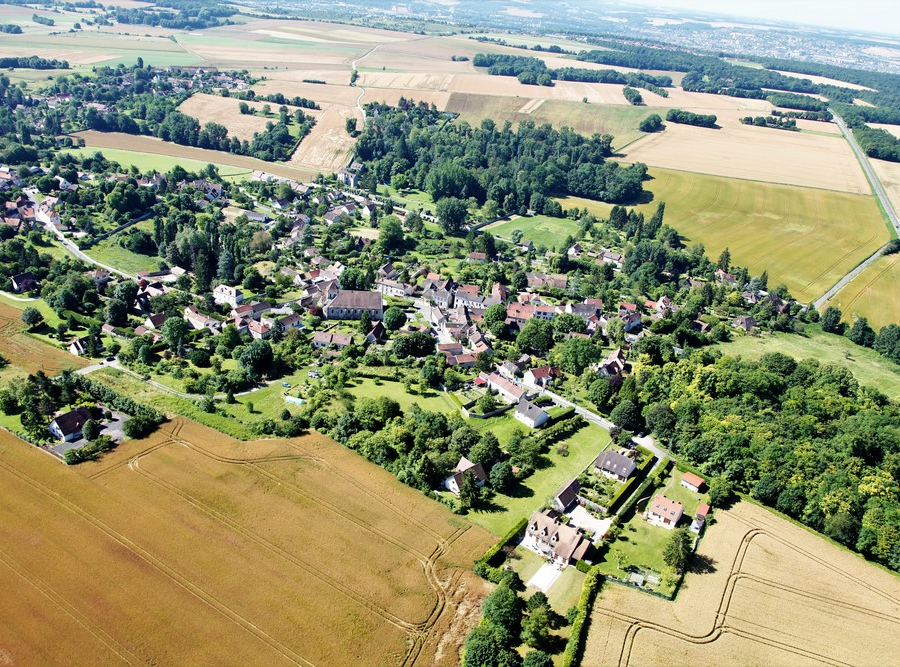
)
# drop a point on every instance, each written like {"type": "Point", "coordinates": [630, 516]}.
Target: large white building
{"type": "Point", "coordinates": [225, 294]}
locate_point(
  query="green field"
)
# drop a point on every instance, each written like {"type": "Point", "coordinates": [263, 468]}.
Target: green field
{"type": "Point", "coordinates": [505, 511]}
{"type": "Point", "coordinates": [619, 120]}
{"type": "Point", "coordinates": [805, 238]}
{"type": "Point", "coordinates": [867, 366]}
{"type": "Point", "coordinates": [433, 401]}
{"type": "Point", "coordinates": [109, 252]}
{"type": "Point", "coordinates": [873, 294]}
{"type": "Point", "coordinates": [149, 162]}
{"type": "Point", "coordinates": [542, 230]}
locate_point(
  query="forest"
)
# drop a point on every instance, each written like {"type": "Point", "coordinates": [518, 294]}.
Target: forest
{"type": "Point", "coordinates": [513, 169]}
{"type": "Point", "coordinates": [802, 437]}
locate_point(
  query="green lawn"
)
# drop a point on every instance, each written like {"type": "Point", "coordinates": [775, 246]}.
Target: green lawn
{"type": "Point", "coordinates": [149, 162]}
{"type": "Point", "coordinates": [867, 366]}
{"type": "Point", "coordinates": [433, 401]}
{"type": "Point", "coordinates": [642, 544]}
{"type": "Point", "coordinates": [109, 252]}
{"type": "Point", "coordinates": [503, 426]}
{"type": "Point", "coordinates": [542, 230]}
{"type": "Point", "coordinates": [529, 496]}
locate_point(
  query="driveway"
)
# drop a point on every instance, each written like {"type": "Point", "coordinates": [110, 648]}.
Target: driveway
{"type": "Point", "coordinates": [581, 518]}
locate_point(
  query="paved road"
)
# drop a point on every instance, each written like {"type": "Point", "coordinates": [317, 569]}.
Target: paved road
{"type": "Point", "coordinates": [885, 203]}
{"type": "Point", "coordinates": [72, 248]}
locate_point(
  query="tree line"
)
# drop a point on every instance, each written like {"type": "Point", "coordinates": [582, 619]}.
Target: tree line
{"type": "Point", "coordinates": [691, 118]}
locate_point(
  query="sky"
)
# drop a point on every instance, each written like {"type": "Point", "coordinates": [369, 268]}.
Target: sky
{"type": "Point", "coordinates": [872, 15]}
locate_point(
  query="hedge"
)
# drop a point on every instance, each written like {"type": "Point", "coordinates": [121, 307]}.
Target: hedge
{"type": "Point", "coordinates": [620, 494]}
{"type": "Point", "coordinates": [575, 644]}
{"type": "Point", "coordinates": [483, 567]}
{"type": "Point", "coordinates": [103, 394]}
{"type": "Point", "coordinates": [558, 430]}
{"type": "Point", "coordinates": [651, 480]}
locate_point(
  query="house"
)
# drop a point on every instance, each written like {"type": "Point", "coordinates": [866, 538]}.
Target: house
{"type": "Point", "coordinates": [509, 370]}
{"type": "Point", "coordinates": [81, 346]}
{"type": "Point", "coordinates": [745, 322]}
{"type": "Point", "coordinates": [350, 305]}
{"type": "Point", "coordinates": [725, 277]}
{"type": "Point", "coordinates": [376, 334]}
{"type": "Point", "coordinates": [508, 390]}
{"type": "Point", "coordinates": [198, 320]}
{"type": "Point", "coordinates": [700, 518]}
{"type": "Point", "coordinates": [154, 322]}
{"type": "Point", "coordinates": [450, 349]}
{"type": "Point", "coordinates": [531, 415]}
{"type": "Point", "coordinates": [67, 426]}
{"type": "Point", "coordinates": [566, 497]}
{"type": "Point", "coordinates": [326, 339]}
{"type": "Point", "coordinates": [664, 513]}
{"type": "Point", "coordinates": [464, 361]}
{"type": "Point", "coordinates": [541, 377]}
{"type": "Point", "coordinates": [613, 364]}
{"type": "Point", "coordinates": [692, 482]}
{"type": "Point", "coordinates": [24, 282]}
{"type": "Point", "coordinates": [227, 295]}
{"type": "Point", "coordinates": [454, 482]}
{"type": "Point", "coordinates": [559, 543]}
{"type": "Point", "coordinates": [615, 466]}
{"type": "Point", "coordinates": [477, 257]}
{"type": "Point", "coordinates": [389, 287]}
{"type": "Point", "coordinates": [259, 330]}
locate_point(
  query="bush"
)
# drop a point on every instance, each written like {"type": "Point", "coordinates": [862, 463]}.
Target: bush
{"type": "Point", "coordinates": [575, 645]}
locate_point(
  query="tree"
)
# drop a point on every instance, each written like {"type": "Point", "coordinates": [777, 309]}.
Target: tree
{"type": "Point", "coordinates": [126, 291]}
{"type": "Point", "coordinates": [568, 322]}
{"type": "Point", "coordinates": [364, 325]}
{"type": "Point", "coordinates": [390, 233]}
{"type": "Point", "coordinates": [501, 476]}
{"type": "Point", "coordinates": [831, 320]}
{"type": "Point", "coordinates": [495, 319]}
{"type": "Point", "coordinates": [652, 123]}
{"type": "Point", "coordinates": [536, 628]}
{"type": "Point", "coordinates": [90, 430]}
{"type": "Point", "coordinates": [486, 451]}
{"type": "Point", "coordinates": [576, 354]}
{"type": "Point", "coordinates": [661, 419]}
{"type": "Point", "coordinates": [486, 403]}
{"type": "Point", "coordinates": [678, 549]}
{"type": "Point", "coordinates": [394, 318]}
{"type": "Point", "coordinates": [32, 317]}
{"type": "Point", "coordinates": [451, 213]}
{"type": "Point", "coordinates": [350, 126]}
{"type": "Point", "coordinates": [599, 393]}
{"type": "Point", "coordinates": [626, 415]}
{"type": "Point", "coordinates": [256, 357]}
{"type": "Point", "coordinates": [174, 331]}
{"type": "Point", "coordinates": [724, 262]}
{"type": "Point", "coordinates": [537, 659]}
{"type": "Point", "coordinates": [720, 491]}
{"type": "Point", "coordinates": [536, 336]}
{"type": "Point", "coordinates": [115, 313]}
{"type": "Point", "coordinates": [468, 490]}
{"type": "Point", "coordinates": [485, 647]}
{"type": "Point", "coordinates": [503, 608]}
{"type": "Point", "coordinates": [861, 333]}
{"type": "Point", "coordinates": [430, 374]}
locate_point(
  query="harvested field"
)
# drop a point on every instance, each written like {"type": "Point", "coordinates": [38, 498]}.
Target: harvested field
{"type": "Point", "coordinates": [770, 593]}
{"type": "Point", "coordinates": [406, 80]}
{"type": "Point", "coordinates": [873, 294]}
{"type": "Point", "coordinates": [101, 140]}
{"type": "Point", "coordinates": [619, 121]}
{"type": "Point", "coordinates": [155, 162]}
{"type": "Point", "coordinates": [27, 354]}
{"type": "Point", "coordinates": [203, 550]}
{"type": "Point", "coordinates": [893, 129]}
{"type": "Point", "coordinates": [224, 110]}
{"type": "Point", "coordinates": [327, 147]}
{"type": "Point", "coordinates": [806, 238]}
{"type": "Point", "coordinates": [889, 175]}
{"type": "Point", "coordinates": [324, 94]}
{"type": "Point", "coordinates": [742, 151]}
{"type": "Point", "coordinates": [824, 80]}
{"type": "Point", "coordinates": [507, 86]}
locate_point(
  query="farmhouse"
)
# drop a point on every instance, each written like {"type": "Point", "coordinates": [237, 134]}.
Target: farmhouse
{"type": "Point", "coordinates": [692, 482]}
{"type": "Point", "coordinates": [531, 415]}
{"type": "Point", "coordinates": [454, 482]}
{"type": "Point", "coordinates": [615, 466]}
{"type": "Point", "coordinates": [350, 305]}
{"type": "Point", "coordinates": [67, 427]}
{"type": "Point", "coordinates": [561, 544]}
{"type": "Point", "coordinates": [664, 512]}
{"type": "Point", "coordinates": [82, 346]}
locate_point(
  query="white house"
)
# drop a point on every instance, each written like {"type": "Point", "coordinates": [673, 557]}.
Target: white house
{"type": "Point", "coordinates": [225, 294]}
{"type": "Point", "coordinates": [454, 481]}
{"type": "Point", "coordinates": [541, 377]}
{"type": "Point", "coordinates": [508, 390]}
{"type": "Point", "coordinates": [692, 482]}
{"type": "Point", "coordinates": [67, 427]}
{"type": "Point", "coordinates": [531, 415]}
{"type": "Point", "coordinates": [664, 513]}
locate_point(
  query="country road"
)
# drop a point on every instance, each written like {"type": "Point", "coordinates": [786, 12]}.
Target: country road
{"type": "Point", "coordinates": [879, 191]}
{"type": "Point", "coordinates": [72, 248]}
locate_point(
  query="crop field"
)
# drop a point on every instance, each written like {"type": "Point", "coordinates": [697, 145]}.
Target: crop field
{"type": "Point", "coordinates": [142, 144]}
{"type": "Point", "coordinates": [25, 353]}
{"type": "Point", "coordinates": [867, 366]}
{"type": "Point", "coordinates": [327, 147]}
{"type": "Point", "coordinates": [742, 151]}
{"type": "Point", "coordinates": [199, 548]}
{"type": "Point", "coordinates": [542, 230]}
{"type": "Point", "coordinates": [893, 129]}
{"type": "Point", "coordinates": [873, 294]}
{"type": "Point", "coordinates": [764, 592]}
{"type": "Point", "coordinates": [806, 238]}
{"type": "Point", "coordinates": [619, 121]}
{"type": "Point", "coordinates": [156, 162]}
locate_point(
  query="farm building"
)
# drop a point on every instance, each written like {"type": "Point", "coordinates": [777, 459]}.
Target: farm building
{"type": "Point", "coordinates": [561, 544]}
{"type": "Point", "coordinates": [664, 512]}
{"type": "Point", "coordinates": [454, 481]}
{"type": "Point", "coordinates": [615, 466]}
{"type": "Point", "coordinates": [692, 482]}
